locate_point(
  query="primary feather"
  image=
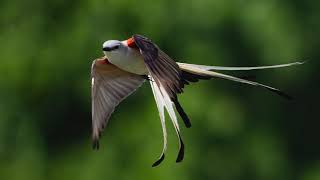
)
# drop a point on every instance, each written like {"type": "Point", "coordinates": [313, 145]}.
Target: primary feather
{"type": "Point", "coordinates": [110, 85]}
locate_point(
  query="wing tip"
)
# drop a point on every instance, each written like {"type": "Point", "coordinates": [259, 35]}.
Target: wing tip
{"type": "Point", "coordinates": [95, 143]}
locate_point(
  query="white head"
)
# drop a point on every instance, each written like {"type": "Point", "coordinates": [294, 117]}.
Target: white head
{"type": "Point", "coordinates": [113, 47]}
{"type": "Point", "coordinates": [119, 53]}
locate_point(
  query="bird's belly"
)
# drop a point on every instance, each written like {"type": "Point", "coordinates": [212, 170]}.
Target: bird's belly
{"type": "Point", "coordinates": [133, 63]}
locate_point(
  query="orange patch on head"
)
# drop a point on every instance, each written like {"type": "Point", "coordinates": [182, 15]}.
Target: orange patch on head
{"type": "Point", "coordinates": [131, 43]}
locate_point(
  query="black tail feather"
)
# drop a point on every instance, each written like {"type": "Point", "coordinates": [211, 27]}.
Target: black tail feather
{"type": "Point", "coordinates": [159, 160]}
{"type": "Point", "coordinates": [181, 151]}
{"type": "Point", "coordinates": [190, 77]}
{"type": "Point", "coordinates": [182, 113]}
{"type": "Point", "coordinates": [281, 93]}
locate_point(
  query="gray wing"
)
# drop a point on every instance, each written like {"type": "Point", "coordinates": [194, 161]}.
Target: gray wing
{"type": "Point", "coordinates": [110, 85]}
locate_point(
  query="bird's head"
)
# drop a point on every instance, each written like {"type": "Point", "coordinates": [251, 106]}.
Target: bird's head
{"type": "Point", "coordinates": [112, 47]}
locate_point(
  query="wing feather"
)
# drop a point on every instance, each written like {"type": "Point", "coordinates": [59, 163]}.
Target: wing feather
{"type": "Point", "coordinates": [165, 72]}
{"type": "Point", "coordinates": [168, 82]}
{"type": "Point", "coordinates": [110, 85]}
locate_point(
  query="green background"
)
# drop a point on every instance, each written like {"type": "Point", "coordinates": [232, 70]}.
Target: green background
{"type": "Point", "coordinates": [238, 132]}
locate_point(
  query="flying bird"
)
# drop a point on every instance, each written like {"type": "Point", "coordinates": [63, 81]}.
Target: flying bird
{"type": "Point", "coordinates": [127, 64]}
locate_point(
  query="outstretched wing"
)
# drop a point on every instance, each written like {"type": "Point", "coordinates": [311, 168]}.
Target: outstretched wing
{"type": "Point", "coordinates": [168, 81]}
{"type": "Point", "coordinates": [110, 85]}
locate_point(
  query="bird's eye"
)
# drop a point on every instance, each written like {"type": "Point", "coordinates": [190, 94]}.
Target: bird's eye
{"type": "Point", "coordinates": [111, 48]}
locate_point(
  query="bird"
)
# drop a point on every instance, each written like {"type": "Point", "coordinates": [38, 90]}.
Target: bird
{"type": "Point", "coordinates": [127, 64]}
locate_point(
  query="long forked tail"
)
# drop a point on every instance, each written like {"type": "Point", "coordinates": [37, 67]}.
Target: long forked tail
{"type": "Point", "coordinates": [194, 72]}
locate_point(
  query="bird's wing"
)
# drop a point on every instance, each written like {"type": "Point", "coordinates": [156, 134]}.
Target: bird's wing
{"type": "Point", "coordinates": [161, 67]}
{"type": "Point", "coordinates": [110, 85]}
{"type": "Point", "coordinates": [164, 70]}
{"type": "Point", "coordinates": [168, 79]}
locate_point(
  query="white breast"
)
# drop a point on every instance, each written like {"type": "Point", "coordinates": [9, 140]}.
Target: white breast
{"type": "Point", "coordinates": [128, 59]}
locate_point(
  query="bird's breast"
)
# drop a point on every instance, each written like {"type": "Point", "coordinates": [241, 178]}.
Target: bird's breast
{"type": "Point", "coordinates": [130, 60]}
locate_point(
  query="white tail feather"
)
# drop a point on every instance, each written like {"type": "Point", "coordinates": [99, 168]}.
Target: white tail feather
{"type": "Point", "coordinates": [222, 68]}
{"type": "Point", "coordinates": [195, 69]}
{"type": "Point", "coordinates": [163, 100]}
{"type": "Point", "coordinates": [160, 104]}
{"type": "Point", "coordinates": [169, 106]}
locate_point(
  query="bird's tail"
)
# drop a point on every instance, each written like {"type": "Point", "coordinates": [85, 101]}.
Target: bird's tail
{"type": "Point", "coordinates": [194, 72]}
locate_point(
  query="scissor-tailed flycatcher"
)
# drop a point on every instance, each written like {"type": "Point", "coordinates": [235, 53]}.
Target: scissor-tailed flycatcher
{"type": "Point", "coordinates": [127, 64]}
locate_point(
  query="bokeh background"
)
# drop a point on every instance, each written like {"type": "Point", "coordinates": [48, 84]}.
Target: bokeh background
{"type": "Point", "coordinates": [238, 132]}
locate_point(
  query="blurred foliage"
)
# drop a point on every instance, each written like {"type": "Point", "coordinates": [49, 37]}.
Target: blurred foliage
{"type": "Point", "coordinates": [238, 132]}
